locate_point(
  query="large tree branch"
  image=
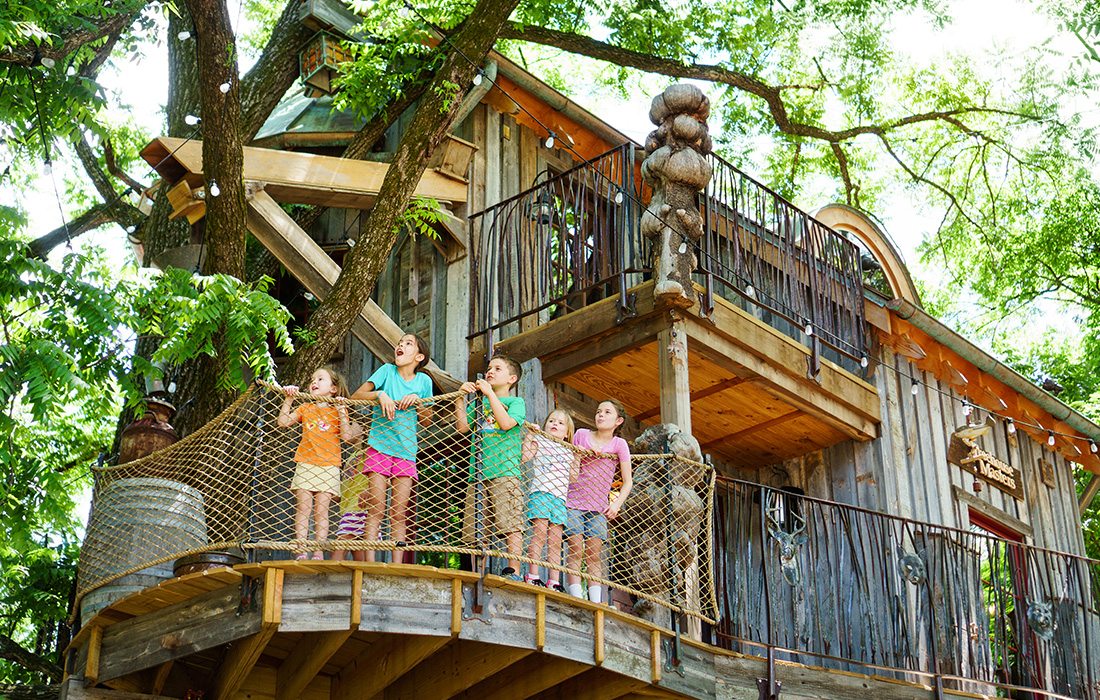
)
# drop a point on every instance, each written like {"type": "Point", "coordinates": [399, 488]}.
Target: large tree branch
{"type": "Point", "coordinates": [275, 71]}
{"type": "Point", "coordinates": [11, 650]}
{"type": "Point", "coordinates": [771, 94]}
{"type": "Point", "coordinates": [90, 220]}
{"type": "Point", "coordinates": [72, 39]}
{"type": "Point", "coordinates": [124, 213]}
{"type": "Point", "coordinates": [30, 692]}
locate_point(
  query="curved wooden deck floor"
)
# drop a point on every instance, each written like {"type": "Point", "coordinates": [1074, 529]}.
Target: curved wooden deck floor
{"type": "Point", "coordinates": [344, 630]}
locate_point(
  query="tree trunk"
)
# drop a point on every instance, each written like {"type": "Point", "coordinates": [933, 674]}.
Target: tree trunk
{"type": "Point", "coordinates": [433, 118]}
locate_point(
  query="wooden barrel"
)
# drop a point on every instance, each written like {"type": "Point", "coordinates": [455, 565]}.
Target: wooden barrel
{"type": "Point", "coordinates": [204, 561]}
{"type": "Point", "coordinates": [136, 521]}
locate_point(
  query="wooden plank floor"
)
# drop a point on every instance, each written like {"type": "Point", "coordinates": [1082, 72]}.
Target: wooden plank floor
{"type": "Point", "coordinates": [338, 630]}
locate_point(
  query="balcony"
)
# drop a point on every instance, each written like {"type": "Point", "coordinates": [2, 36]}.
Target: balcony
{"type": "Point", "coordinates": [727, 582]}
{"type": "Point", "coordinates": [776, 339]}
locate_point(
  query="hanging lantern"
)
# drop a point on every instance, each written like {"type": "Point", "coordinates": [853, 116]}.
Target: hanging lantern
{"type": "Point", "coordinates": [320, 59]}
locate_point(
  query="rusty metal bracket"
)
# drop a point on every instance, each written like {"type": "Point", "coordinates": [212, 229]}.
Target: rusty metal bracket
{"type": "Point", "coordinates": [476, 599]}
{"type": "Point", "coordinates": [628, 307]}
{"type": "Point", "coordinates": [771, 686]}
{"type": "Point", "coordinates": [672, 648]}
{"type": "Point", "coordinates": [248, 603]}
{"type": "Point", "coordinates": [813, 361]}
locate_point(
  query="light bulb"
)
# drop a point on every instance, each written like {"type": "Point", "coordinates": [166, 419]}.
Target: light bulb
{"type": "Point", "coordinates": [619, 197]}
{"type": "Point", "coordinates": [213, 188]}
{"type": "Point", "coordinates": [1092, 446]}
{"type": "Point", "coordinates": [224, 87]}
{"type": "Point", "coordinates": [171, 387]}
{"type": "Point", "coordinates": [550, 140]}
{"type": "Point", "coordinates": [47, 168]}
{"type": "Point", "coordinates": [308, 296]}
{"type": "Point", "coordinates": [1050, 438]}
{"type": "Point", "coordinates": [863, 362]}
{"type": "Point", "coordinates": [913, 390]}
{"type": "Point", "coordinates": [351, 242]}
{"type": "Point", "coordinates": [184, 35]}
{"type": "Point", "coordinates": [749, 291]}
{"type": "Point", "coordinates": [477, 78]}
{"type": "Point", "coordinates": [967, 408]}
{"type": "Point", "coordinates": [809, 329]}
{"type": "Point", "coordinates": [48, 62]}
{"type": "Point", "coordinates": [1011, 427]}
{"type": "Point", "coordinates": [191, 120]}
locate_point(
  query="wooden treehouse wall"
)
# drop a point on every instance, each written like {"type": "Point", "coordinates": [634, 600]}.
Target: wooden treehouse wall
{"type": "Point", "coordinates": [905, 471]}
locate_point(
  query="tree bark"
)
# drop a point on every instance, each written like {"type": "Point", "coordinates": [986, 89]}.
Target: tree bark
{"type": "Point", "coordinates": [434, 117]}
{"type": "Point", "coordinates": [10, 650]}
{"type": "Point", "coordinates": [88, 221]}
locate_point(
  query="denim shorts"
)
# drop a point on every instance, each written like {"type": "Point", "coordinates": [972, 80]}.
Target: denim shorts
{"type": "Point", "coordinates": [586, 522]}
{"type": "Point", "coordinates": [547, 506]}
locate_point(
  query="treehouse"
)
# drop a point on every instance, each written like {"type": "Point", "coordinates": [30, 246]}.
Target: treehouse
{"type": "Point", "coordinates": [855, 500]}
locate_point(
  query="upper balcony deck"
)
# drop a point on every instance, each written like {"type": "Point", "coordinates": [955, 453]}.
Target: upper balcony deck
{"type": "Point", "coordinates": [776, 340]}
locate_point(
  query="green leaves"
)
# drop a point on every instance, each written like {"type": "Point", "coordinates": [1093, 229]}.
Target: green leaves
{"type": "Point", "coordinates": [216, 315]}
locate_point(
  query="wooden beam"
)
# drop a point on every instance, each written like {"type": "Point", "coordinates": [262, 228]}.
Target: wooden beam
{"type": "Point", "coordinates": [160, 677]}
{"type": "Point", "coordinates": [301, 178]}
{"type": "Point", "coordinates": [814, 399]}
{"type": "Point", "coordinates": [91, 665]}
{"type": "Point", "coordinates": [577, 327]}
{"type": "Point", "coordinates": [631, 334]}
{"type": "Point", "coordinates": [674, 379]}
{"type": "Point", "coordinates": [306, 661]}
{"type": "Point", "coordinates": [540, 621]}
{"type": "Point", "coordinates": [382, 664]}
{"type": "Point", "coordinates": [595, 684]}
{"type": "Point", "coordinates": [244, 653]}
{"type": "Point", "coordinates": [457, 667]}
{"type": "Point", "coordinates": [655, 656]}
{"type": "Point", "coordinates": [456, 606]}
{"type": "Point", "coordinates": [716, 388]}
{"type": "Point", "coordinates": [753, 429]}
{"type": "Point", "coordinates": [526, 677]}
{"type": "Point", "coordinates": [599, 649]}
{"type": "Point", "coordinates": [239, 661]}
{"type": "Point", "coordinates": [317, 272]}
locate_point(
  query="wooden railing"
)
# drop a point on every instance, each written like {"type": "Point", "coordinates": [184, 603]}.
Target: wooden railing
{"type": "Point", "coordinates": [574, 238]}
{"type": "Point", "coordinates": [838, 586]}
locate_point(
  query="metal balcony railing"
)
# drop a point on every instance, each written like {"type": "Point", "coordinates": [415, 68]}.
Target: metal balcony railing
{"type": "Point", "coordinates": [847, 588]}
{"type": "Point", "coordinates": [574, 238]}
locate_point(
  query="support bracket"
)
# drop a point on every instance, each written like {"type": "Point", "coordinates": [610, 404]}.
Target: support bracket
{"type": "Point", "coordinates": [769, 687]}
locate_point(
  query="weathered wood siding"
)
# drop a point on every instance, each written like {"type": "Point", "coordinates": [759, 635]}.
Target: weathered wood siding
{"type": "Point", "coordinates": [905, 471]}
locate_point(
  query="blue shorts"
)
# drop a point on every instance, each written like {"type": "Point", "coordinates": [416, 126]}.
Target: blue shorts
{"type": "Point", "coordinates": [547, 506]}
{"type": "Point", "coordinates": [586, 522]}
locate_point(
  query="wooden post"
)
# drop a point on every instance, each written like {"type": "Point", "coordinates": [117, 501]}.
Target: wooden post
{"type": "Point", "coordinates": [672, 353]}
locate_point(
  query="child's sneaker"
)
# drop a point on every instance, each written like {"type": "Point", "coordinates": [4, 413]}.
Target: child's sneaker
{"type": "Point", "coordinates": [510, 574]}
{"type": "Point", "coordinates": [533, 580]}
{"type": "Point", "coordinates": [556, 586]}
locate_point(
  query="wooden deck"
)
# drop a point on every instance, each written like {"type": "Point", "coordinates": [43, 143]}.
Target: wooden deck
{"type": "Point", "coordinates": [752, 403]}
{"type": "Point", "coordinates": [341, 630]}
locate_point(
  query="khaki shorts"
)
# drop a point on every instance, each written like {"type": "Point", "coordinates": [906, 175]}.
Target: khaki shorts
{"type": "Point", "coordinates": [503, 509]}
{"type": "Point", "coordinates": [310, 477]}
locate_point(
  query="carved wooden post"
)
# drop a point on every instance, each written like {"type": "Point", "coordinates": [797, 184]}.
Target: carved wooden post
{"type": "Point", "coordinates": [677, 169]}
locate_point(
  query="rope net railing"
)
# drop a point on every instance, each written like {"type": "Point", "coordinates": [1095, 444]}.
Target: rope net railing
{"type": "Point", "coordinates": [268, 477]}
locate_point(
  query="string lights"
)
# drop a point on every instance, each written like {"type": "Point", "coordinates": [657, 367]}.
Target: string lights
{"type": "Point", "coordinates": [749, 290]}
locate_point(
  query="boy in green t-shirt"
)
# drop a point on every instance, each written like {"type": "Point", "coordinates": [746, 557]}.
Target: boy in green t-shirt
{"type": "Point", "coordinates": [498, 417]}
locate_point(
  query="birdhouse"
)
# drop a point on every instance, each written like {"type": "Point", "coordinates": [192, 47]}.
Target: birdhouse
{"type": "Point", "coordinates": [320, 60]}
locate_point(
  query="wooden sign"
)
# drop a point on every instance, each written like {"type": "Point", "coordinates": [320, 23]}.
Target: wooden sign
{"type": "Point", "coordinates": [1046, 473]}
{"type": "Point", "coordinates": [984, 465]}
